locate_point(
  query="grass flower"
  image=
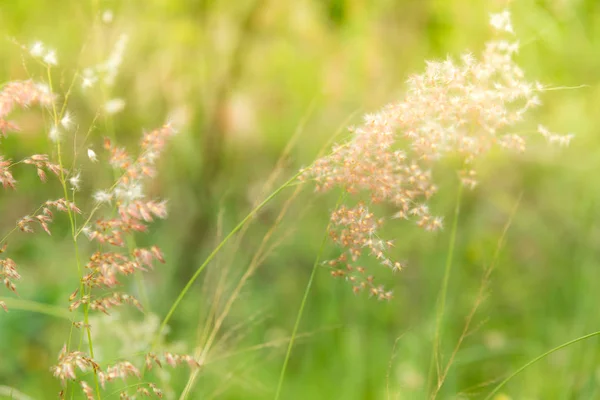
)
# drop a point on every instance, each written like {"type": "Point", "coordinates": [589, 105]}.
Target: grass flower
{"type": "Point", "coordinates": [92, 155]}
{"type": "Point", "coordinates": [8, 274]}
{"type": "Point", "coordinates": [21, 94]}
{"type": "Point", "coordinates": [70, 362]}
{"type": "Point", "coordinates": [462, 108]}
{"type": "Point", "coordinates": [112, 106]}
{"type": "Point", "coordinates": [110, 67]}
{"type": "Point", "coordinates": [37, 49]}
{"type": "Point", "coordinates": [67, 121]}
{"type": "Point", "coordinates": [54, 134]}
{"type": "Point", "coordinates": [50, 58]}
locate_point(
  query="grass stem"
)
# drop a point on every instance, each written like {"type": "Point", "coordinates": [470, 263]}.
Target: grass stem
{"type": "Point", "coordinates": [191, 281]}
{"type": "Point", "coordinates": [435, 362]}
{"type": "Point", "coordinates": [301, 310]}
{"type": "Point", "coordinates": [538, 358]}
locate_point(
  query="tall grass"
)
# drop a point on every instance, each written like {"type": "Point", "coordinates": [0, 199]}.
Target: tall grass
{"type": "Point", "coordinates": [387, 169]}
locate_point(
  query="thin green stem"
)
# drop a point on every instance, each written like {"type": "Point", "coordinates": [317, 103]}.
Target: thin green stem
{"type": "Point", "coordinates": [72, 221]}
{"type": "Point", "coordinates": [213, 254]}
{"type": "Point", "coordinates": [301, 310]}
{"type": "Point", "coordinates": [37, 307]}
{"type": "Point", "coordinates": [297, 323]}
{"type": "Point", "coordinates": [434, 362]}
{"type": "Point", "coordinates": [485, 280]}
{"type": "Point", "coordinates": [562, 346]}
{"type": "Point", "coordinates": [12, 393]}
{"type": "Point", "coordinates": [256, 261]}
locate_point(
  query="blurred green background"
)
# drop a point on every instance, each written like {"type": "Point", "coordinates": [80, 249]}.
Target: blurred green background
{"type": "Point", "coordinates": [243, 78]}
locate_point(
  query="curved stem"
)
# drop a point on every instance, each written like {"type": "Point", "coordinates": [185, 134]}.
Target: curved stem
{"type": "Point", "coordinates": [213, 254]}
{"type": "Point", "coordinates": [497, 388]}
{"type": "Point", "coordinates": [442, 297]}
{"type": "Point", "coordinates": [56, 117]}
{"type": "Point", "coordinates": [36, 307]}
{"type": "Point", "coordinates": [301, 310]}
{"type": "Point", "coordinates": [478, 300]}
{"type": "Point", "coordinates": [297, 323]}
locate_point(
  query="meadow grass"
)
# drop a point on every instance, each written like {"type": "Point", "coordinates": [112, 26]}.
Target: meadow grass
{"type": "Point", "coordinates": [484, 337]}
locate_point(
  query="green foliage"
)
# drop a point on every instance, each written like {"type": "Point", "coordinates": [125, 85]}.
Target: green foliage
{"type": "Point", "coordinates": [245, 77]}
